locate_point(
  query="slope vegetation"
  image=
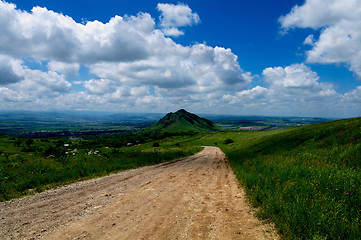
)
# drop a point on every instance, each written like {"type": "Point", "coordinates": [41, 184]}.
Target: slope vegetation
{"type": "Point", "coordinates": [307, 180]}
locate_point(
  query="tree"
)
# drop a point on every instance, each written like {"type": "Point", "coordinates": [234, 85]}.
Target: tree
{"type": "Point", "coordinates": [29, 141]}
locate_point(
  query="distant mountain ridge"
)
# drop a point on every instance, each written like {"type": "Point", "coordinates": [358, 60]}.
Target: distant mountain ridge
{"type": "Point", "coordinates": [183, 121]}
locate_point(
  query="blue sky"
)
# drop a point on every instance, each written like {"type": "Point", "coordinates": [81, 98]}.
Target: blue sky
{"type": "Point", "coordinates": [279, 58]}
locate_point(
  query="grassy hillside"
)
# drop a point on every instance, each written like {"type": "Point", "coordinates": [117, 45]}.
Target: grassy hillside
{"type": "Point", "coordinates": [182, 122]}
{"type": "Point", "coordinates": [307, 180]}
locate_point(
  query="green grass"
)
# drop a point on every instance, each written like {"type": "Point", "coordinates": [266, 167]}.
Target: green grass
{"type": "Point", "coordinates": [306, 180]}
{"type": "Point", "coordinates": [47, 163]}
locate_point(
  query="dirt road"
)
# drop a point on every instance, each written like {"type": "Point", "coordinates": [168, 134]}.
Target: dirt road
{"type": "Point", "coordinates": [193, 198]}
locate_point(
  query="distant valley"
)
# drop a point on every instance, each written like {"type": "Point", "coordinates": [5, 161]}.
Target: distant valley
{"type": "Point", "coordinates": [67, 123]}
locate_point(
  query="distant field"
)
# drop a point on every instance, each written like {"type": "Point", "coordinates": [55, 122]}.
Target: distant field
{"type": "Point", "coordinates": [48, 124]}
{"type": "Point", "coordinates": [235, 122]}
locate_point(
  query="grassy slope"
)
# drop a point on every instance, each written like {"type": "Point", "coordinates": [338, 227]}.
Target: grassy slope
{"type": "Point", "coordinates": [185, 126]}
{"type": "Point", "coordinates": [306, 180]}
{"type": "Point", "coordinates": [179, 126]}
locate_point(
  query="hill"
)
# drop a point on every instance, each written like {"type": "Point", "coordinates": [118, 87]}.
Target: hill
{"type": "Point", "coordinates": [182, 122]}
{"type": "Point", "coordinates": [305, 179]}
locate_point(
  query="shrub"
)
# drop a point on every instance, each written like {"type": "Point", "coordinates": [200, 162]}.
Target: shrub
{"type": "Point", "coordinates": [29, 141]}
{"type": "Point", "coordinates": [228, 141]}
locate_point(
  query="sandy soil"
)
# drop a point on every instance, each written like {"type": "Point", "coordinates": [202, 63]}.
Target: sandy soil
{"type": "Point", "coordinates": [193, 198]}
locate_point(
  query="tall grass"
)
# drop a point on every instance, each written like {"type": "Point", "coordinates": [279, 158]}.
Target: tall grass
{"type": "Point", "coordinates": [306, 180]}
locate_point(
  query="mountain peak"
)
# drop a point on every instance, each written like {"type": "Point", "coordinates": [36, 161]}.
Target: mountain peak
{"type": "Point", "coordinates": [183, 121]}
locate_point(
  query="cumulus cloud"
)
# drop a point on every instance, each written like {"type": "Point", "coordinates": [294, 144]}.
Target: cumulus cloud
{"type": "Point", "coordinates": [340, 25]}
{"type": "Point", "coordinates": [45, 34]}
{"type": "Point", "coordinates": [296, 76]}
{"type": "Point", "coordinates": [9, 69]}
{"type": "Point", "coordinates": [352, 100]}
{"type": "Point", "coordinates": [126, 52]}
{"type": "Point", "coordinates": [298, 83]}
{"type": "Point", "coordinates": [173, 32]}
{"type": "Point", "coordinates": [174, 16]}
{"type": "Point", "coordinates": [178, 70]}
{"type": "Point", "coordinates": [295, 90]}
{"type": "Point", "coordinates": [310, 40]}
{"type": "Point", "coordinates": [257, 95]}
{"type": "Point", "coordinates": [34, 81]}
{"type": "Point", "coordinates": [28, 85]}
{"type": "Point", "coordinates": [67, 69]}
{"type": "Point", "coordinates": [43, 83]}
{"type": "Point", "coordinates": [134, 65]}
{"type": "Point", "coordinates": [100, 86]}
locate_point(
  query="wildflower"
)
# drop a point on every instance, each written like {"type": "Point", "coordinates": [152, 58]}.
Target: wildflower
{"type": "Point", "coordinates": [347, 193]}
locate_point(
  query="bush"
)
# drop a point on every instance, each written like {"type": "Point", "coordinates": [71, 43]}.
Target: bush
{"type": "Point", "coordinates": [228, 141]}
{"type": "Point", "coordinates": [156, 144]}
{"type": "Point", "coordinates": [29, 141]}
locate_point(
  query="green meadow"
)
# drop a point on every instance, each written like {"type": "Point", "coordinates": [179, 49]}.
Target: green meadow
{"type": "Point", "coordinates": [306, 180]}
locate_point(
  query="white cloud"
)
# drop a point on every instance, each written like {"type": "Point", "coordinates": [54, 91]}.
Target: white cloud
{"type": "Point", "coordinates": [310, 40]}
{"type": "Point", "coordinates": [295, 76]}
{"type": "Point", "coordinates": [10, 96]}
{"type": "Point", "coordinates": [67, 69]}
{"type": "Point", "coordinates": [298, 83]}
{"type": "Point", "coordinates": [173, 32]}
{"type": "Point", "coordinates": [177, 15]}
{"type": "Point", "coordinates": [134, 66]}
{"type": "Point", "coordinates": [321, 13]}
{"type": "Point", "coordinates": [354, 96]}
{"type": "Point", "coordinates": [29, 85]}
{"type": "Point", "coordinates": [9, 70]}
{"type": "Point", "coordinates": [174, 16]}
{"type": "Point", "coordinates": [43, 83]}
{"type": "Point", "coordinates": [100, 86]}
{"type": "Point", "coordinates": [256, 95]}
{"type": "Point", "coordinates": [295, 90]}
{"type": "Point", "coordinates": [48, 35]}
{"type": "Point", "coordinates": [178, 70]}
{"type": "Point", "coordinates": [124, 53]}
{"type": "Point", "coordinates": [340, 24]}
